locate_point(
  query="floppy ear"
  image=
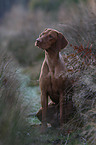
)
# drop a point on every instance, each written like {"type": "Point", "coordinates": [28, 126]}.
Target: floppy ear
{"type": "Point", "coordinates": [61, 41]}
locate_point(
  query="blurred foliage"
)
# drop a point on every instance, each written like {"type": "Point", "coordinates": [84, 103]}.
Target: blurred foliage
{"type": "Point", "coordinates": [24, 51]}
{"type": "Point", "coordinates": [5, 5]}
{"type": "Point", "coordinates": [49, 5]}
{"type": "Point", "coordinates": [45, 4]}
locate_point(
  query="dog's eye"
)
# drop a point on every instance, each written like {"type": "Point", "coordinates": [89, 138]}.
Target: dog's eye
{"type": "Point", "coordinates": [50, 36]}
{"type": "Point", "coordinates": [41, 34]}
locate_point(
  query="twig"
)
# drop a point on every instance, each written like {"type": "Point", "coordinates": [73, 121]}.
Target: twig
{"type": "Point", "coordinates": [67, 139]}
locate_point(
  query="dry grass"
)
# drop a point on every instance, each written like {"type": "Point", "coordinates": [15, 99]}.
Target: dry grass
{"type": "Point", "coordinates": [81, 60]}
{"type": "Point", "coordinates": [13, 122]}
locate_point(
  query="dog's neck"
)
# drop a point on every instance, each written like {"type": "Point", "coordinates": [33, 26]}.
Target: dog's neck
{"type": "Point", "coordinates": [52, 55]}
{"type": "Point", "coordinates": [52, 58]}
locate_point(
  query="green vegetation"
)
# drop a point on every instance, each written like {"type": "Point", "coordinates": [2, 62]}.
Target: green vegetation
{"type": "Point", "coordinates": [54, 136]}
{"type": "Point", "coordinates": [49, 5]}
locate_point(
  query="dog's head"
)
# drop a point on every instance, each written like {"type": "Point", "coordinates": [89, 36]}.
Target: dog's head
{"type": "Point", "coordinates": [51, 38]}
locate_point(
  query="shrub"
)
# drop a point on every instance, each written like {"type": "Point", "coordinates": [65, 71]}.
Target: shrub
{"type": "Point", "coordinates": [80, 32]}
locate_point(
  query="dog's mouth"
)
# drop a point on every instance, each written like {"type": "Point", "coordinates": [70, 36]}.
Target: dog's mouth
{"type": "Point", "coordinates": [36, 44]}
{"type": "Point", "coordinates": [41, 44]}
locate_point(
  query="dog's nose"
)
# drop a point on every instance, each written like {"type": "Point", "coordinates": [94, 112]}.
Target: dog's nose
{"type": "Point", "coordinates": [38, 40]}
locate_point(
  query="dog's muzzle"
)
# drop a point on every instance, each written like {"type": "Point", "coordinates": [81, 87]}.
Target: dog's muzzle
{"type": "Point", "coordinates": [38, 41]}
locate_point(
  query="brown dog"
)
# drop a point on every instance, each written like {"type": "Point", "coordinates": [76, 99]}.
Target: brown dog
{"type": "Point", "coordinates": [53, 78]}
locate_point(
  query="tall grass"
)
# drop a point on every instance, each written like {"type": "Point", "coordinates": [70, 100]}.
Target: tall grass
{"type": "Point", "coordinates": [80, 29]}
{"type": "Point", "coordinates": [13, 123]}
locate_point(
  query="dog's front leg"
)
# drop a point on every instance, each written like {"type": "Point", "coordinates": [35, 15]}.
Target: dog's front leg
{"type": "Point", "coordinates": [62, 109]}
{"type": "Point", "coordinates": [44, 103]}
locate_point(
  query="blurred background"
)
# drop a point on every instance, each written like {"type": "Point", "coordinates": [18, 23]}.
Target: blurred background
{"type": "Point", "coordinates": [21, 22]}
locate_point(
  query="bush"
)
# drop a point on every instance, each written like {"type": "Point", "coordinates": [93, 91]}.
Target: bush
{"type": "Point", "coordinates": [80, 31]}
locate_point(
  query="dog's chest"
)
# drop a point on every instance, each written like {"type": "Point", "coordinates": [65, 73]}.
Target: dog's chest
{"type": "Point", "coordinates": [56, 87]}
{"type": "Point", "coordinates": [57, 76]}
{"type": "Point", "coordinates": [56, 81]}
